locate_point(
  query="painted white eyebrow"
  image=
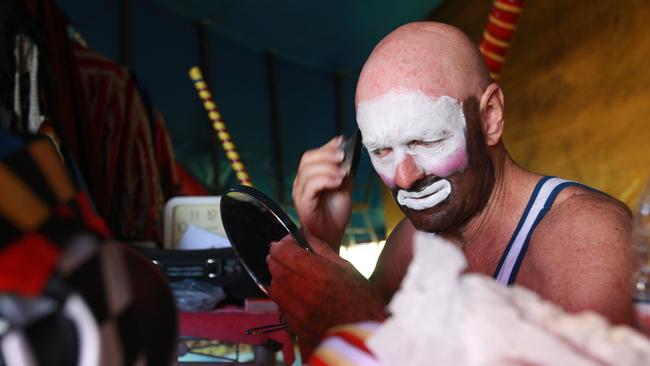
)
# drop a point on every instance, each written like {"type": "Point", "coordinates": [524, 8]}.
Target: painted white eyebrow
{"type": "Point", "coordinates": [429, 135]}
{"type": "Point", "coordinates": [375, 146]}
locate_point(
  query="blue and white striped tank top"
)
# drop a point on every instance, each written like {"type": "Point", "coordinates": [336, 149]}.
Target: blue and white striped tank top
{"type": "Point", "coordinates": [540, 203]}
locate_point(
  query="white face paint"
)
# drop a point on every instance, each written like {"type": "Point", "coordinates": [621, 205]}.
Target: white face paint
{"type": "Point", "coordinates": [412, 125]}
{"type": "Point", "coordinates": [428, 197]}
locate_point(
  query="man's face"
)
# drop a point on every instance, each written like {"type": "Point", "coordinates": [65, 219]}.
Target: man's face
{"type": "Point", "coordinates": [422, 149]}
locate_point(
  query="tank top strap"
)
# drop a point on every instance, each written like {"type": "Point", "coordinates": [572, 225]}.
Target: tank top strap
{"type": "Point", "coordinates": [540, 202]}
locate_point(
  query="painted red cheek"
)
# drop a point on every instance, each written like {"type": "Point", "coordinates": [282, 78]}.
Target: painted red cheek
{"type": "Point", "coordinates": [455, 162]}
{"type": "Point", "coordinates": [389, 182]}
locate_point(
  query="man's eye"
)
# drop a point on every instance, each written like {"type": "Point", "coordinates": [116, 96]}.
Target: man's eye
{"type": "Point", "coordinates": [421, 143]}
{"type": "Point", "coordinates": [380, 153]}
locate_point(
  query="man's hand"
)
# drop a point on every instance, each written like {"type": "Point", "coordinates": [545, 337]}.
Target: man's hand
{"type": "Point", "coordinates": [318, 290]}
{"type": "Point", "coordinates": [322, 193]}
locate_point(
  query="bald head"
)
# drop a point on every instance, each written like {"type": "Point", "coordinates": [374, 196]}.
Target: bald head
{"type": "Point", "coordinates": [434, 58]}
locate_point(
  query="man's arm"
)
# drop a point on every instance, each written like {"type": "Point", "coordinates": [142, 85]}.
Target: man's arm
{"type": "Point", "coordinates": [394, 260]}
{"type": "Point", "coordinates": [582, 257]}
{"type": "Point", "coordinates": [318, 290]}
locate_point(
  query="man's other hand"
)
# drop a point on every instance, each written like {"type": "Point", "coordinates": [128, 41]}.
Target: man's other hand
{"type": "Point", "coordinates": [322, 193]}
{"type": "Point", "coordinates": [318, 290]}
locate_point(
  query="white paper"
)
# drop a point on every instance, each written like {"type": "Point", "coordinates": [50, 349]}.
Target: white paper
{"type": "Point", "coordinates": [198, 238]}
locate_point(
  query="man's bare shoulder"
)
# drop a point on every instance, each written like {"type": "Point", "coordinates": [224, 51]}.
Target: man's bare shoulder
{"type": "Point", "coordinates": [582, 213]}
{"type": "Point", "coordinates": [580, 255]}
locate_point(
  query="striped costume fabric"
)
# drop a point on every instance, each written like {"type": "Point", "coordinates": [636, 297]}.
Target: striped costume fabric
{"type": "Point", "coordinates": [346, 346]}
{"type": "Point", "coordinates": [68, 295]}
{"type": "Point", "coordinates": [126, 183]}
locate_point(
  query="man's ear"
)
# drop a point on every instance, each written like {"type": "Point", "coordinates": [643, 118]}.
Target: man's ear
{"type": "Point", "coordinates": [492, 114]}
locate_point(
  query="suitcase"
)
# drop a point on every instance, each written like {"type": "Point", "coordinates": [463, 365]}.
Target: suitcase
{"type": "Point", "coordinates": [219, 267]}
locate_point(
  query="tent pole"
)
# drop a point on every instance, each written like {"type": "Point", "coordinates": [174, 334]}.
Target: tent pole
{"type": "Point", "coordinates": [204, 62]}
{"type": "Point", "coordinates": [126, 33]}
{"type": "Point", "coordinates": [498, 33]}
{"type": "Point", "coordinates": [340, 103]}
{"type": "Point", "coordinates": [276, 126]}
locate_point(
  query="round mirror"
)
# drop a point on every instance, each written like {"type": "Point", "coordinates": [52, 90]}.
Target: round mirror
{"type": "Point", "coordinates": [252, 221]}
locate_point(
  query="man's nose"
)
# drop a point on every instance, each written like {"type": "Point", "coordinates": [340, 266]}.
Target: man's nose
{"type": "Point", "coordinates": [407, 173]}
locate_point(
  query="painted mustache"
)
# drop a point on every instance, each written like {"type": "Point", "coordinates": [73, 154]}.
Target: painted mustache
{"type": "Point", "coordinates": [425, 198]}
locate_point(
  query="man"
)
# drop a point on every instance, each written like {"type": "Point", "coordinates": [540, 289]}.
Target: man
{"type": "Point", "coordinates": [432, 121]}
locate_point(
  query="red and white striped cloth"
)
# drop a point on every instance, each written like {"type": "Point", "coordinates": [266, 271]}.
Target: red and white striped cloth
{"type": "Point", "coordinates": [346, 345]}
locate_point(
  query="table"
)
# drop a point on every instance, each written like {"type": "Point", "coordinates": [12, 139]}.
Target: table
{"type": "Point", "coordinates": [229, 324]}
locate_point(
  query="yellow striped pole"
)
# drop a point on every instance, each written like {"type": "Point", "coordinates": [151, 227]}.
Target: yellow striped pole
{"type": "Point", "coordinates": [219, 126]}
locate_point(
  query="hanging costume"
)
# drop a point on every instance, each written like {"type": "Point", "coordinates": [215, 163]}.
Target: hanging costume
{"type": "Point", "coordinates": [113, 147]}
{"type": "Point", "coordinates": [126, 183]}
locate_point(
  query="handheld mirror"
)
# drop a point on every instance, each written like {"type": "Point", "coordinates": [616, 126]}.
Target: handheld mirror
{"type": "Point", "coordinates": [252, 221]}
{"type": "Point", "coordinates": [351, 147]}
